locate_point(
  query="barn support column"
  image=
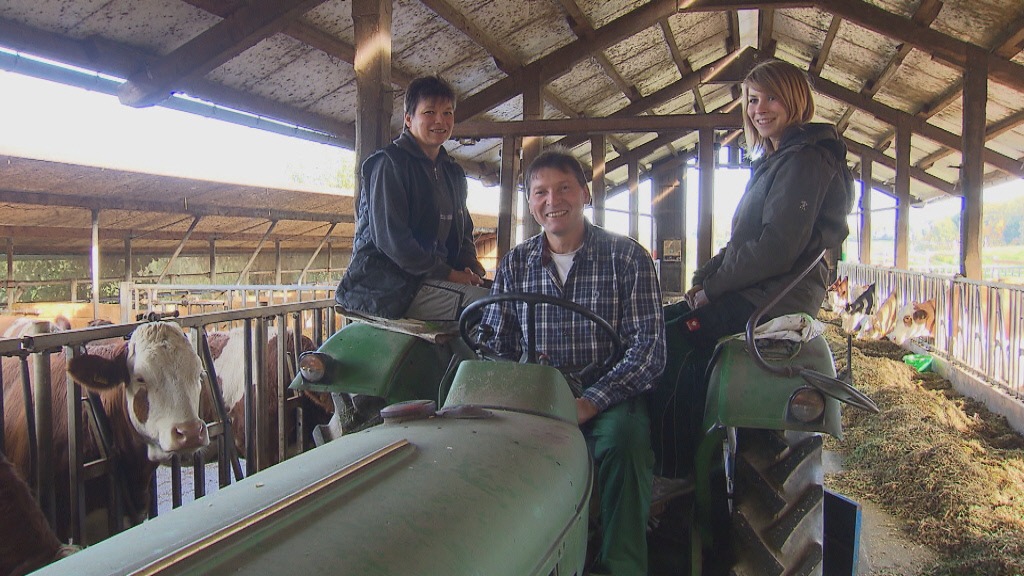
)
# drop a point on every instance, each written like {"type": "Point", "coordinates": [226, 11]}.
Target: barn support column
{"type": "Point", "coordinates": [902, 187]}
{"type": "Point", "coordinates": [277, 262]}
{"type": "Point", "coordinates": [866, 167]}
{"type": "Point", "coordinates": [128, 274]}
{"type": "Point", "coordinates": [597, 160]}
{"type": "Point", "coordinates": [10, 274]}
{"type": "Point", "coordinates": [374, 98]}
{"type": "Point", "coordinates": [533, 109]}
{"type": "Point", "coordinates": [95, 264]}
{"type": "Point", "coordinates": [259, 246]}
{"type": "Point", "coordinates": [213, 261]}
{"type": "Point", "coordinates": [507, 195]}
{"type": "Point", "coordinates": [972, 173]}
{"type": "Point", "coordinates": [309, 264]}
{"type": "Point", "coordinates": [633, 182]}
{"type": "Point", "coordinates": [706, 195]}
{"type": "Point", "coordinates": [181, 246]}
{"type": "Point", "coordinates": [667, 197]}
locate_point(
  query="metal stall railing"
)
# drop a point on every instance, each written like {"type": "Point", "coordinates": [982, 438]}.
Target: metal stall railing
{"type": "Point", "coordinates": [979, 326]}
{"type": "Point", "coordinates": [309, 322]}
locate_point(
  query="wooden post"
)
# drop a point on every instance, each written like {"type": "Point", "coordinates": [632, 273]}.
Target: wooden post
{"type": "Point", "coordinates": [533, 109]}
{"type": "Point", "coordinates": [95, 264]}
{"type": "Point", "coordinates": [902, 186]}
{"type": "Point", "coordinates": [597, 186]}
{"type": "Point", "coordinates": [506, 196]}
{"type": "Point", "coordinates": [277, 262]}
{"type": "Point", "coordinates": [666, 197]}
{"type": "Point", "coordinates": [706, 195]}
{"type": "Point", "coordinates": [213, 261]}
{"type": "Point", "coordinates": [128, 273]}
{"type": "Point", "coordinates": [866, 167]}
{"type": "Point", "coordinates": [972, 171]}
{"type": "Point", "coordinates": [374, 100]}
{"type": "Point", "coordinates": [633, 179]}
{"type": "Point", "coordinates": [10, 274]}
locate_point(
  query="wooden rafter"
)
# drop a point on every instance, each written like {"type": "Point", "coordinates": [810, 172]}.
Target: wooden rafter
{"type": "Point", "coordinates": [1011, 41]}
{"type": "Point", "coordinates": [581, 26]}
{"type": "Point", "coordinates": [818, 63]}
{"type": "Point", "coordinates": [226, 39]}
{"type": "Point", "coordinates": [916, 173]}
{"type": "Point", "coordinates": [992, 131]}
{"type": "Point", "coordinates": [682, 64]}
{"type": "Point", "coordinates": [605, 125]}
{"type": "Point", "coordinates": [503, 58]}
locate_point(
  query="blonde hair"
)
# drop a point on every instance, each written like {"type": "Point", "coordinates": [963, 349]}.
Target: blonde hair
{"type": "Point", "coordinates": [790, 86]}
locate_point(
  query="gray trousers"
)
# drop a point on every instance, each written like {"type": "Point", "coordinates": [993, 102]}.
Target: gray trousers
{"type": "Point", "coordinates": [441, 302]}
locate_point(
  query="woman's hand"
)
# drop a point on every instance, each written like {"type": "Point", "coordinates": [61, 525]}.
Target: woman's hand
{"type": "Point", "coordinates": [696, 297]}
{"type": "Point", "coordinates": [465, 277]}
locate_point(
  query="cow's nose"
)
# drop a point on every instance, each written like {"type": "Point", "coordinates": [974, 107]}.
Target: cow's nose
{"type": "Point", "coordinates": [189, 436]}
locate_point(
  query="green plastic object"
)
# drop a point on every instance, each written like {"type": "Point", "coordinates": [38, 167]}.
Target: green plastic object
{"type": "Point", "coordinates": [528, 388]}
{"type": "Point", "coordinates": [919, 362]}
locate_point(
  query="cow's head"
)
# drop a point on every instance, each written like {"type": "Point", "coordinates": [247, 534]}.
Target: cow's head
{"type": "Point", "coordinates": [916, 320]}
{"type": "Point", "coordinates": [161, 376]}
{"type": "Point", "coordinates": [838, 294]}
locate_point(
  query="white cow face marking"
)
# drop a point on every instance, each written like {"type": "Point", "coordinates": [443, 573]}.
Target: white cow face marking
{"type": "Point", "coordinates": [164, 380]}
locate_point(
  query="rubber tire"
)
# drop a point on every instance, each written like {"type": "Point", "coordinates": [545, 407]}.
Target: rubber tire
{"type": "Point", "coordinates": [778, 505]}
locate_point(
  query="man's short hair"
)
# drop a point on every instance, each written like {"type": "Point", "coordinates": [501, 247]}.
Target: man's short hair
{"type": "Point", "coordinates": [559, 158]}
{"type": "Point", "coordinates": [426, 87]}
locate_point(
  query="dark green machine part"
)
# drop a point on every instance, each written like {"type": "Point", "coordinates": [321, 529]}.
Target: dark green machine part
{"type": "Point", "coordinates": [377, 362]}
{"type": "Point", "coordinates": [742, 395]}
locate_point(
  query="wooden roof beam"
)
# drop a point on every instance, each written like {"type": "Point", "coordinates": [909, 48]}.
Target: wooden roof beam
{"type": "Point", "coordinates": [916, 173]}
{"type": "Point", "coordinates": [605, 125]}
{"type": "Point", "coordinates": [1011, 41]}
{"type": "Point", "coordinates": [818, 62]}
{"type": "Point", "coordinates": [923, 38]}
{"type": "Point", "coordinates": [243, 29]}
{"type": "Point", "coordinates": [766, 31]}
{"type": "Point", "coordinates": [994, 130]}
{"type": "Point", "coordinates": [682, 64]}
{"type": "Point", "coordinates": [90, 203]}
{"type": "Point", "coordinates": [917, 125]}
{"type": "Point", "coordinates": [581, 26]}
{"type": "Point", "coordinates": [561, 60]}
{"type": "Point", "coordinates": [503, 58]}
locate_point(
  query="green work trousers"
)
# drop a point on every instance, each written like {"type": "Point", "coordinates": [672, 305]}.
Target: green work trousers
{"type": "Point", "coordinates": [620, 440]}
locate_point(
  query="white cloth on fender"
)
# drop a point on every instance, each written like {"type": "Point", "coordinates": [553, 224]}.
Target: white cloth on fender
{"type": "Point", "coordinates": [798, 327]}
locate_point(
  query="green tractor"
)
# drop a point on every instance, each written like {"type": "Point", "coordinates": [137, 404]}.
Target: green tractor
{"type": "Point", "coordinates": [498, 481]}
{"type": "Point", "coordinates": [750, 500]}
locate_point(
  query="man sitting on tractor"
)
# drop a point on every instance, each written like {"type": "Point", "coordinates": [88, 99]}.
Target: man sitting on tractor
{"type": "Point", "coordinates": [614, 277]}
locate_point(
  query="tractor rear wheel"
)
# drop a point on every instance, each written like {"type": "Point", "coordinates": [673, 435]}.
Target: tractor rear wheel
{"type": "Point", "coordinates": [778, 519]}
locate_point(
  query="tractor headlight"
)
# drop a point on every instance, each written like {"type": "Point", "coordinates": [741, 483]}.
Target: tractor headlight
{"type": "Point", "coordinates": [313, 365]}
{"type": "Point", "coordinates": [807, 405]}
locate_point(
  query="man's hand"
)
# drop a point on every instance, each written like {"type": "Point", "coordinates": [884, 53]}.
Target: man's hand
{"type": "Point", "coordinates": [585, 410]}
{"type": "Point", "coordinates": [466, 276]}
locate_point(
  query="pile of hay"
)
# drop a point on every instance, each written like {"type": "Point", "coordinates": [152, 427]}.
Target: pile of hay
{"type": "Point", "coordinates": [942, 462]}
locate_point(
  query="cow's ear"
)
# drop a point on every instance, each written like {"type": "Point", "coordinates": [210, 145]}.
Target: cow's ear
{"type": "Point", "coordinates": [920, 315]}
{"type": "Point", "coordinates": [98, 373]}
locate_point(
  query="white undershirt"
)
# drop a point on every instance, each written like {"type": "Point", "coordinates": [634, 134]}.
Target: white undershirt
{"type": "Point", "coordinates": [563, 263]}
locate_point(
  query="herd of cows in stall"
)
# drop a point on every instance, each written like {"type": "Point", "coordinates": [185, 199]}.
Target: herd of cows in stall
{"type": "Point", "coordinates": [150, 387]}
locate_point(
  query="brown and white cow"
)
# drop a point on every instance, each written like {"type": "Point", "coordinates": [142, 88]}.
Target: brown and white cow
{"type": "Point", "coordinates": [881, 323]}
{"type": "Point", "coordinates": [26, 541]}
{"type": "Point", "coordinates": [25, 325]}
{"type": "Point", "coordinates": [915, 320]}
{"type": "Point", "coordinates": [860, 308]}
{"type": "Point", "coordinates": [228, 351]}
{"type": "Point", "coordinates": [149, 387]}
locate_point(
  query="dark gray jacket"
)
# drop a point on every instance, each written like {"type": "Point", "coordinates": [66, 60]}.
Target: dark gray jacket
{"type": "Point", "coordinates": [795, 205]}
{"type": "Point", "coordinates": [396, 243]}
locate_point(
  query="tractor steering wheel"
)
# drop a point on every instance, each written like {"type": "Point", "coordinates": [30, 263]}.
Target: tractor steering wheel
{"type": "Point", "coordinates": [532, 300]}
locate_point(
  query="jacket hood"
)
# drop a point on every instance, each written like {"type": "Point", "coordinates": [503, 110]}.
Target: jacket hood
{"type": "Point", "coordinates": [823, 135]}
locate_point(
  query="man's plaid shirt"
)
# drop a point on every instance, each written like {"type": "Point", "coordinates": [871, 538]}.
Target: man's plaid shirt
{"type": "Point", "coordinates": [611, 275]}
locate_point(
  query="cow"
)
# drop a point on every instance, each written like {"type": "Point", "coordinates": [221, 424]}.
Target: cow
{"type": "Point", "coordinates": [26, 541]}
{"type": "Point", "coordinates": [228, 351]}
{"type": "Point", "coordinates": [25, 325]}
{"type": "Point", "coordinates": [149, 388]}
{"type": "Point", "coordinates": [881, 323]}
{"type": "Point", "coordinates": [860, 308]}
{"type": "Point", "coordinates": [916, 320]}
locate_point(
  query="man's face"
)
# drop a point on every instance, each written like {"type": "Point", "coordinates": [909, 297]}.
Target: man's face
{"type": "Point", "coordinates": [557, 200]}
{"type": "Point", "coordinates": [432, 122]}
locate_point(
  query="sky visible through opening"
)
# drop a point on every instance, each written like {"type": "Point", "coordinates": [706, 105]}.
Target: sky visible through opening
{"type": "Point", "coordinates": [51, 121]}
